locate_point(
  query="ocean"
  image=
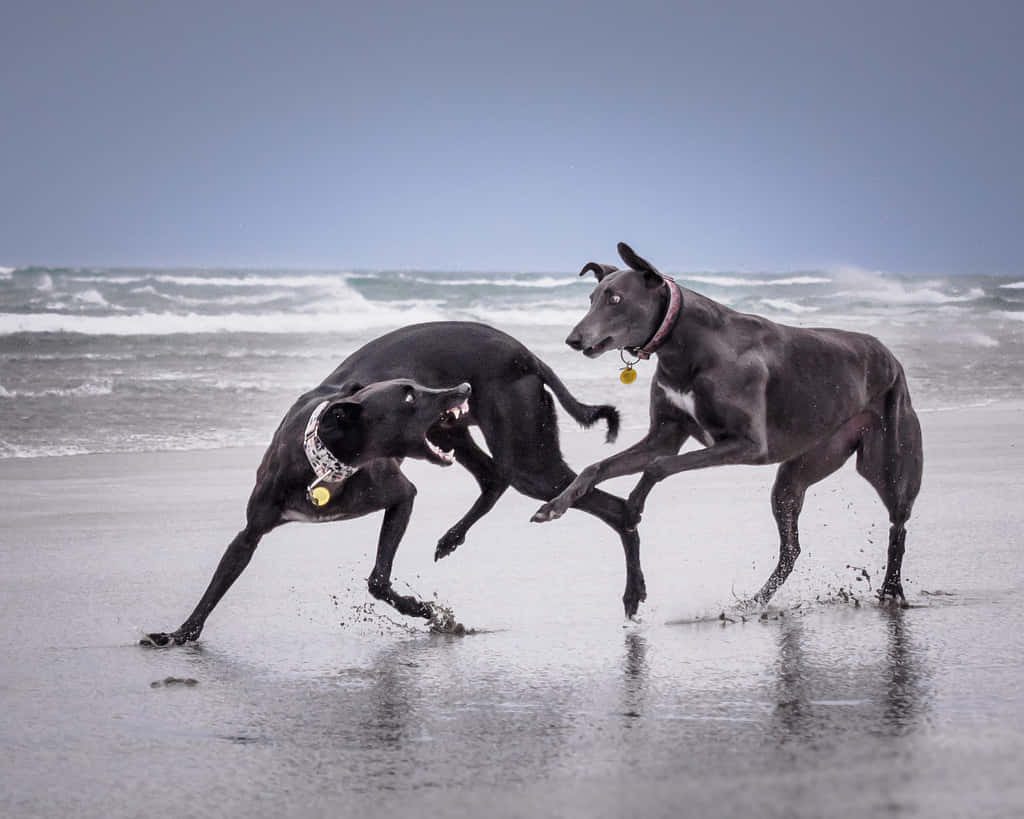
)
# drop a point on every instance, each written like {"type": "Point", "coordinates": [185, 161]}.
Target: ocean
{"type": "Point", "coordinates": [97, 360]}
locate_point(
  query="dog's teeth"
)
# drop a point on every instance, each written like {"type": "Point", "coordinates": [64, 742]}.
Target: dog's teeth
{"type": "Point", "coordinates": [448, 456]}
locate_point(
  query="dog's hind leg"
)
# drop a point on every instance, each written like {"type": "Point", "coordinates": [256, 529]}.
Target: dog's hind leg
{"type": "Point", "coordinates": [261, 517]}
{"type": "Point", "coordinates": [538, 470]}
{"type": "Point", "coordinates": [492, 486]}
{"type": "Point", "coordinates": [890, 459]}
{"type": "Point", "coordinates": [397, 512]}
{"type": "Point", "coordinates": [791, 483]}
{"type": "Point", "coordinates": [613, 511]}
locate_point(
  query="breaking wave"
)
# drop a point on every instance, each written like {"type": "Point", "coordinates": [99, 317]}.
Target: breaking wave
{"type": "Point", "coordinates": [247, 280]}
{"type": "Point", "coordinates": [352, 318]}
{"type": "Point", "coordinates": [860, 285]}
{"type": "Point", "coordinates": [544, 281]}
{"type": "Point", "coordinates": [736, 281]}
{"type": "Point", "coordinates": [788, 306]}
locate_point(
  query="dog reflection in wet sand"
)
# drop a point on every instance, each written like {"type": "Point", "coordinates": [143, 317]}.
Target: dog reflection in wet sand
{"type": "Point", "coordinates": [752, 392]}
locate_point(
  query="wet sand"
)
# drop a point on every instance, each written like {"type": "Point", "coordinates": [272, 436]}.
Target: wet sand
{"type": "Point", "coordinates": [311, 700]}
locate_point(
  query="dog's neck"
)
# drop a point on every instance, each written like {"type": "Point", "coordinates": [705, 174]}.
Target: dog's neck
{"type": "Point", "coordinates": [327, 466]}
{"type": "Point", "coordinates": [673, 306]}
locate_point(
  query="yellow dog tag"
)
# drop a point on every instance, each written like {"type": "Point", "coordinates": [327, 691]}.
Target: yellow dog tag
{"type": "Point", "coordinates": [627, 375]}
{"type": "Point", "coordinates": [320, 495]}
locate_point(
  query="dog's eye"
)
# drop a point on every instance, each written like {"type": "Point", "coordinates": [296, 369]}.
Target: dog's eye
{"type": "Point", "coordinates": [410, 398]}
{"type": "Point", "coordinates": [614, 298]}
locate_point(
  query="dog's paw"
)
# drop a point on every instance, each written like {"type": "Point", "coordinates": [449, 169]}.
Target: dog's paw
{"type": "Point", "coordinates": [157, 639]}
{"type": "Point", "coordinates": [631, 602]}
{"type": "Point", "coordinates": [449, 542]}
{"type": "Point", "coordinates": [549, 511]}
{"type": "Point", "coordinates": [892, 597]}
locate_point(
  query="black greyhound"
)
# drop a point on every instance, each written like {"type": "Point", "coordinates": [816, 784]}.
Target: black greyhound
{"type": "Point", "coordinates": [753, 392]}
{"type": "Point", "coordinates": [367, 430]}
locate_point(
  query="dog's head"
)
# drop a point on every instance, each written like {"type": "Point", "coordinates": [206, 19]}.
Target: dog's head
{"type": "Point", "coordinates": [390, 419]}
{"type": "Point", "coordinates": [626, 307]}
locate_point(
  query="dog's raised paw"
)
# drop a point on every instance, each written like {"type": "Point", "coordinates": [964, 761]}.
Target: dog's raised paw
{"type": "Point", "coordinates": [545, 513]}
{"type": "Point", "coordinates": [156, 640]}
{"type": "Point", "coordinates": [448, 543]}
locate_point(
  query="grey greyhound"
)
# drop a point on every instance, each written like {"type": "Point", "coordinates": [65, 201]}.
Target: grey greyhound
{"type": "Point", "coordinates": [337, 453]}
{"type": "Point", "coordinates": [752, 392]}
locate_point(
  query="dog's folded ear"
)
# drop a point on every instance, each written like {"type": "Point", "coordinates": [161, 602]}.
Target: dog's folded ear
{"type": "Point", "coordinates": [345, 413]}
{"type": "Point", "coordinates": [636, 262]}
{"type": "Point", "coordinates": [598, 269]}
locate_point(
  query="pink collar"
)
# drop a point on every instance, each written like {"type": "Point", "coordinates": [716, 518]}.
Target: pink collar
{"type": "Point", "coordinates": [675, 302]}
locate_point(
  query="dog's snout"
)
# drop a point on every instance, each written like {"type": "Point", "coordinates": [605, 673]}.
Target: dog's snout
{"type": "Point", "coordinates": [465, 387]}
{"type": "Point", "coordinates": [575, 340]}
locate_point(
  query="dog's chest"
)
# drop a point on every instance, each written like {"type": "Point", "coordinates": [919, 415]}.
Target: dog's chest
{"type": "Point", "coordinates": [686, 402]}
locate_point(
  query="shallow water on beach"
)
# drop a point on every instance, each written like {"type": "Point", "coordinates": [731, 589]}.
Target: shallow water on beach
{"type": "Point", "coordinates": [304, 698]}
{"type": "Point", "coordinates": [835, 712]}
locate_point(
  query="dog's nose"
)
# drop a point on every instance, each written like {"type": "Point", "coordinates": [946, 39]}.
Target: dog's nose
{"type": "Point", "coordinates": [574, 340]}
{"type": "Point", "coordinates": [465, 387]}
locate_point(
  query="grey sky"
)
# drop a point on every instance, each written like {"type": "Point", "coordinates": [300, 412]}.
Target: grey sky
{"type": "Point", "coordinates": [513, 136]}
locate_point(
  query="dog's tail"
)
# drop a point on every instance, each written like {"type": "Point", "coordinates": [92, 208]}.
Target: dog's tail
{"type": "Point", "coordinates": [586, 414]}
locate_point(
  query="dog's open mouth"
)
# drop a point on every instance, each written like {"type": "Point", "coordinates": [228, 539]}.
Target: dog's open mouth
{"type": "Point", "coordinates": [450, 416]}
{"type": "Point", "coordinates": [446, 457]}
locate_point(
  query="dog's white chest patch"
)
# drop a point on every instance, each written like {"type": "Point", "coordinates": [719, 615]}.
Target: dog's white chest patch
{"type": "Point", "coordinates": [686, 402]}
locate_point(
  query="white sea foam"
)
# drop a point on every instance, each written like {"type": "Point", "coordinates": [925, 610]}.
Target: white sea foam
{"type": "Point", "coordinates": [6, 272]}
{"type": "Point", "coordinates": [788, 306]}
{"type": "Point", "coordinates": [242, 385]}
{"type": "Point", "coordinates": [8, 450]}
{"type": "Point", "coordinates": [91, 296]}
{"type": "Point", "coordinates": [1013, 286]}
{"type": "Point", "coordinates": [33, 356]}
{"type": "Point", "coordinates": [875, 286]}
{"type": "Point", "coordinates": [104, 387]}
{"type": "Point", "coordinates": [248, 280]}
{"type": "Point", "coordinates": [1006, 314]}
{"type": "Point", "coordinates": [351, 318]}
{"type": "Point", "coordinates": [208, 440]}
{"type": "Point", "coordinates": [954, 407]}
{"type": "Point", "coordinates": [224, 301]}
{"type": "Point", "coordinates": [746, 281]}
{"type": "Point", "coordinates": [547, 281]}
{"type": "Point", "coordinates": [541, 316]}
{"type": "Point", "coordinates": [980, 340]}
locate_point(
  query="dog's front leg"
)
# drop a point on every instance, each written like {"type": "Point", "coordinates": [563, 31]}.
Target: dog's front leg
{"type": "Point", "coordinates": [741, 451]}
{"type": "Point", "coordinates": [396, 519]}
{"type": "Point", "coordinates": [664, 437]}
{"type": "Point", "coordinates": [263, 513]}
{"type": "Point", "coordinates": [232, 564]}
